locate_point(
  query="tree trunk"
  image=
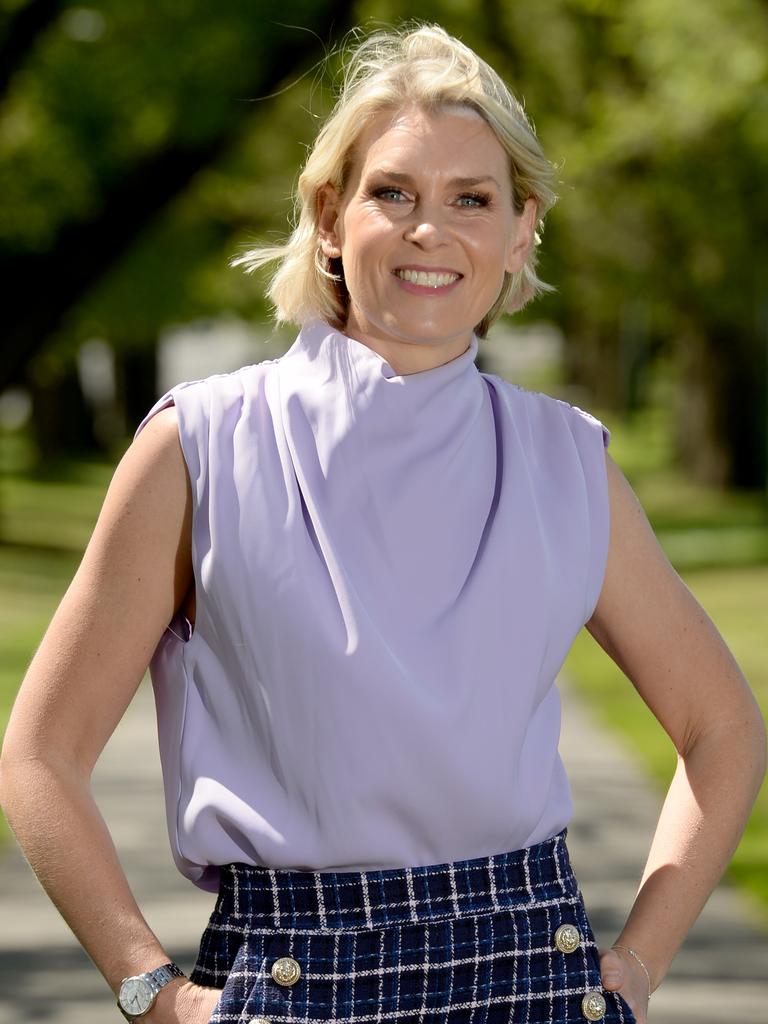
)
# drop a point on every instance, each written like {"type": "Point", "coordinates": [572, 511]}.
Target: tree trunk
{"type": "Point", "coordinates": [85, 251]}
{"type": "Point", "coordinates": [721, 407]}
{"type": "Point", "coordinates": [62, 421]}
{"type": "Point", "coordinates": [136, 385]}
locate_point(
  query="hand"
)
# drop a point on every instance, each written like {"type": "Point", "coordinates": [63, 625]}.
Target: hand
{"type": "Point", "coordinates": [181, 1002]}
{"type": "Point", "coordinates": [621, 973]}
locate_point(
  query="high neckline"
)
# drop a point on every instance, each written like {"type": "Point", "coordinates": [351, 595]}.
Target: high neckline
{"type": "Point", "coordinates": [317, 335]}
{"type": "Point", "coordinates": [457, 364]}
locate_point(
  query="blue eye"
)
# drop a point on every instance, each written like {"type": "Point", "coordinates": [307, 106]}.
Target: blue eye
{"type": "Point", "coordinates": [381, 192]}
{"type": "Point", "coordinates": [477, 197]}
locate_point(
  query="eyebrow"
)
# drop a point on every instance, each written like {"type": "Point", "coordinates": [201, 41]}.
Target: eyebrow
{"type": "Point", "coordinates": [406, 179]}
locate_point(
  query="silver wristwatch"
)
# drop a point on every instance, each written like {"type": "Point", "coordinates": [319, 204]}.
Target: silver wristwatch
{"type": "Point", "coordinates": [137, 995]}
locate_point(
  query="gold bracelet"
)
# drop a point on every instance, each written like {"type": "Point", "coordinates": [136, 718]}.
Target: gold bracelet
{"type": "Point", "coordinates": [634, 954]}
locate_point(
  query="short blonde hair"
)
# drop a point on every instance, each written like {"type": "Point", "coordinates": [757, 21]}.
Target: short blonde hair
{"type": "Point", "coordinates": [413, 65]}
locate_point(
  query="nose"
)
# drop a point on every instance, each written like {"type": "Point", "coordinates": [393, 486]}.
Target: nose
{"type": "Point", "coordinates": [424, 235]}
{"type": "Point", "coordinates": [425, 229]}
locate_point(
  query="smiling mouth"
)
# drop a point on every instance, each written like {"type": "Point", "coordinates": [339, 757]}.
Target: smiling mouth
{"type": "Point", "coordinates": [427, 279]}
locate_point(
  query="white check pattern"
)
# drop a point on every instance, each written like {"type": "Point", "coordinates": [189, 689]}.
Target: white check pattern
{"type": "Point", "coordinates": [467, 942]}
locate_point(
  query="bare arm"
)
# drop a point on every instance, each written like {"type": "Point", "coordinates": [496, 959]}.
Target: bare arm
{"type": "Point", "coordinates": [133, 575]}
{"type": "Point", "coordinates": [659, 635]}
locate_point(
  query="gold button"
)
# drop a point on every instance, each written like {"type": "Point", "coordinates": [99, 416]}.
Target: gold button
{"type": "Point", "coordinates": [593, 1006]}
{"type": "Point", "coordinates": [286, 971]}
{"type": "Point", "coordinates": [567, 938]}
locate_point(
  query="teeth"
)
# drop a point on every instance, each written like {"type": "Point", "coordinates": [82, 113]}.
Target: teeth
{"type": "Point", "coordinates": [427, 280]}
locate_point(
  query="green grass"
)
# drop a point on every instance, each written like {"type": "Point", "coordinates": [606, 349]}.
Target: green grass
{"type": "Point", "coordinates": [737, 603]}
{"type": "Point", "coordinates": [45, 522]}
{"type": "Point", "coordinates": [717, 541]}
{"type": "Point", "coordinates": [32, 583]}
{"type": "Point", "coordinates": [44, 527]}
{"type": "Point", "coordinates": [735, 599]}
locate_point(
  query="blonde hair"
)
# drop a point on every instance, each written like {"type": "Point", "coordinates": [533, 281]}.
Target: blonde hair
{"type": "Point", "coordinates": [414, 64]}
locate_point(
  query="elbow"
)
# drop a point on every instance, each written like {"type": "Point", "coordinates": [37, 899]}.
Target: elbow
{"type": "Point", "coordinates": [753, 748]}
{"type": "Point", "coordinates": [734, 745]}
{"type": "Point", "coordinates": [761, 746]}
{"type": "Point", "coordinates": [6, 769]}
{"type": "Point", "coordinates": [28, 775]}
{"type": "Point", "coordinates": [7, 786]}
{"type": "Point", "coordinates": [756, 741]}
{"type": "Point", "coordinates": [12, 776]}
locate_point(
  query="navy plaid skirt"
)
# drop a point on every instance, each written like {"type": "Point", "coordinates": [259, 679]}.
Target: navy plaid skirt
{"type": "Point", "coordinates": [503, 939]}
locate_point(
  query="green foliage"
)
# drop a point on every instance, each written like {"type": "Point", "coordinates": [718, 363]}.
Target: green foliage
{"type": "Point", "coordinates": [94, 98]}
{"type": "Point", "coordinates": [84, 107]}
{"type": "Point", "coordinates": [718, 542]}
{"type": "Point", "coordinates": [656, 117]}
{"type": "Point", "coordinates": [46, 524]}
{"type": "Point", "coordinates": [735, 600]}
{"type": "Point", "coordinates": [654, 113]}
{"type": "Point", "coordinates": [183, 260]}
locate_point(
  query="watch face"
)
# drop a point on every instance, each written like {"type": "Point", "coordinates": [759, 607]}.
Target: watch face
{"type": "Point", "coordinates": [136, 996]}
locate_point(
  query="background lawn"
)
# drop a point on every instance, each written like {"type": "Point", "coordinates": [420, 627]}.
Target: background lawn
{"type": "Point", "coordinates": [736, 601]}
{"type": "Point", "coordinates": [718, 542]}
{"type": "Point", "coordinates": [45, 523]}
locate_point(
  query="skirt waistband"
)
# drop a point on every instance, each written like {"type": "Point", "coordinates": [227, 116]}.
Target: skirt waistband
{"type": "Point", "coordinates": [284, 898]}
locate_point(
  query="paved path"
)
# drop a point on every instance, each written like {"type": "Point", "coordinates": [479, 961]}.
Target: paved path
{"type": "Point", "coordinates": [720, 977]}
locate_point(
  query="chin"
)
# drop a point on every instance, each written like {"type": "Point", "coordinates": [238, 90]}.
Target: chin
{"type": "Point", "coordinates": [408, 324]}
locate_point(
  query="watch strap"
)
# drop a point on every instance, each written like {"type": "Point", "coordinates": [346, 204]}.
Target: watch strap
{"type": "Point", "coordinates": [162, 975]}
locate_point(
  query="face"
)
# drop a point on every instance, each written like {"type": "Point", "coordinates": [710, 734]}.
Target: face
{"type": "Point", "coordinates": [425, 230]}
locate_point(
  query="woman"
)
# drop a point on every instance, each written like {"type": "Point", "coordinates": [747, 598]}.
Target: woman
{"type": "Point", "coordinates": [355, 572]}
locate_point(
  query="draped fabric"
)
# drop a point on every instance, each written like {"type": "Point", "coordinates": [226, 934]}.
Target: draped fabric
{"type": "Point", "coordinates": [389, 572]}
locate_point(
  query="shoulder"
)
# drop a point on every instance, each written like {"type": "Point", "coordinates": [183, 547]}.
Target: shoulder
{"type": "Point", "coordinates": [547, 414]}
{"type": "Point", "coordinates": [228, 385]}
{"type": "Point", "coordinates": [155, 460]}
{"type": "Point", "coordinates": [189, 405]}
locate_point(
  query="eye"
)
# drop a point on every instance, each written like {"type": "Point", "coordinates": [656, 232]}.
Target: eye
{"type": "Point", "coordinates": [476, 198]}
{"type": "Point", "coordinates": [382, 193]}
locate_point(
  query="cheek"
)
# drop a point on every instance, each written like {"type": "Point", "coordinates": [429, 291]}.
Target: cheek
{"type": "Point", "coordinates": [496, 255]}
{"type": "Point", "coordinates": [489, 255]}
{"type": "Point", "coordinates": [361, 227]}
{"type": "Point", "coordinates": [486, 241]}
{"type": "Point", "coordinates": [366, 244]}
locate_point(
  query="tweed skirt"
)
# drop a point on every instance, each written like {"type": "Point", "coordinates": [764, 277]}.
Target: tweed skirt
{"type": "Point", "coordinates": [503, 939]}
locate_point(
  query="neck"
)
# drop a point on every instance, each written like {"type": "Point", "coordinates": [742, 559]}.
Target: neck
{"type": "Point", "coordinates": [410, 356]}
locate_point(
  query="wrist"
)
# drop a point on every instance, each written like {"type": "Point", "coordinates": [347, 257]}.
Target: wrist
{"type": "Point", "coordinates": [635, 959]}
{"type": "Point", "coordinates": [137, 960]}
{"type": "Point", "coordinates": [171, 1004]}
{"type": "Point", "coordinates": [138, 993]}
{"type": "Point", "coordinates": [184, 1001]}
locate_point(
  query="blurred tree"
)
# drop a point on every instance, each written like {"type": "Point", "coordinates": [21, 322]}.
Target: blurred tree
{"type": "Point", "coordinates": [659, 244]}
{"type": "Point", "coordinates": [120, 207]}
{"type": "Point", "coordinates": [23, 25]}
{"type": "Point", "coordinates": [115, 112]}
{"type": "Point", "coordinates": [656, 115]}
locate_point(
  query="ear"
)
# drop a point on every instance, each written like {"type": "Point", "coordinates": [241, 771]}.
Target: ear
{"type": "Point", "coordinates": [521, 242]}
{"type": "Point", "coordinates": [327, 219]}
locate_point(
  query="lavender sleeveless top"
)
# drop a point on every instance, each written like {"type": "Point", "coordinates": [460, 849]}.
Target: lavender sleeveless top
{"type": "Point", "coordinates": [390, 570]}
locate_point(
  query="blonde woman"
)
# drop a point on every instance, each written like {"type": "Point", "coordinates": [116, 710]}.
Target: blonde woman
{"type": "Point", "coordinates": [354, 572]}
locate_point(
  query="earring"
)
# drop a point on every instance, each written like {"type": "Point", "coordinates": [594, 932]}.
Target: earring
{"type": "Point", "coordinates": [323, 264]}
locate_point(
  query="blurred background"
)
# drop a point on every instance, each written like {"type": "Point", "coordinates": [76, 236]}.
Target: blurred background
{"type": "Point", "coordinates": [144, 144]}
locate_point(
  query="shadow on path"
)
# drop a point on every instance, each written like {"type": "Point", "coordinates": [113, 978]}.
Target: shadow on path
{"type": "Point", "coordinates": [719, 977]}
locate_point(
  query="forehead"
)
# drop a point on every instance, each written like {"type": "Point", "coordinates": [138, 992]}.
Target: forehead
{"type": "Point", "coordinates": [455, 135]}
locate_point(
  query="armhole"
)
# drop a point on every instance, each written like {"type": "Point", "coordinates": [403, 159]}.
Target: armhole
{"type": "Point", "coordinates": [179, 626]}
{"type": "Point", "coordinates": [596, 471]}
